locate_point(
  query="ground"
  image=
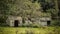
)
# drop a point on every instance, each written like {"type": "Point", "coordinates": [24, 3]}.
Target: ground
{"type": "Point", "coordinates": [25, 30]}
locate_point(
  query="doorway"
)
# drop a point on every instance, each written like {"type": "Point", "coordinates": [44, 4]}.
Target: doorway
{"type": "Point", "coordinates": [16, 23]}
{"type": "Point", "coordinates": [48, 23]}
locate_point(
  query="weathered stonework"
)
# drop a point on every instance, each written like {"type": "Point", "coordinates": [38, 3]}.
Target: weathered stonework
{"type": "Point", "coordinates": [40, 21]}
{"type": "Point", "coordinates": [10, 20]}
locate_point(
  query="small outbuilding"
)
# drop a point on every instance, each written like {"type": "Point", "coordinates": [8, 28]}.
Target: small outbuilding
{"type": "Point", "coordinates": [45, 21]}
{"type": "Point", "coordinates": [14, 21]}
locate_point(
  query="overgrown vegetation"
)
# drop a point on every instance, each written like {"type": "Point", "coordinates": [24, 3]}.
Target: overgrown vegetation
{"type": "Point", "coordinates": [29, 9]}
{"type": "Point", "coordinates": [42, 30]}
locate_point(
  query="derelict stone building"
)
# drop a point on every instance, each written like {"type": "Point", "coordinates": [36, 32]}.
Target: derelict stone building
{"type": "Point", "coordinates": [14, 21]}
{"type": "Point", "coordinates": [18, 21]}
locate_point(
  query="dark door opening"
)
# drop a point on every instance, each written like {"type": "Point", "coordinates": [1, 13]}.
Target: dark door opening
{"type": "Point", "coordinates": [16, 23]}
{"type": "Point", "coordinates": [48, 23]}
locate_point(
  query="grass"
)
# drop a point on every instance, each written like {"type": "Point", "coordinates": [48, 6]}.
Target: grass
{"type": "Point", "coordinates": [25, 30]}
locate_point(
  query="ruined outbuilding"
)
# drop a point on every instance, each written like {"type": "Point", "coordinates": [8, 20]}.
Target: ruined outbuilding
{"type": "Point", "coordinates": [14, 21]}
{"type": "Point", "coordinates": [18, 21]}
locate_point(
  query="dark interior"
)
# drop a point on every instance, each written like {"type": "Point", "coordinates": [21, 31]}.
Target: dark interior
{"type": "Point", "coordinates": [48, 23]}
{"type": "Point", "coordinates": [16, 23]}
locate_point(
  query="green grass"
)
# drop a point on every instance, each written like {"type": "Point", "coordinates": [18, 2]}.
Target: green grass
{"type": "Point", "coordinates": [25, 30]}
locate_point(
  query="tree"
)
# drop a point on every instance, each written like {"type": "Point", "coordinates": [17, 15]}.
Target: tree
{"type": "Point", "coordinates": [24, 8]}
